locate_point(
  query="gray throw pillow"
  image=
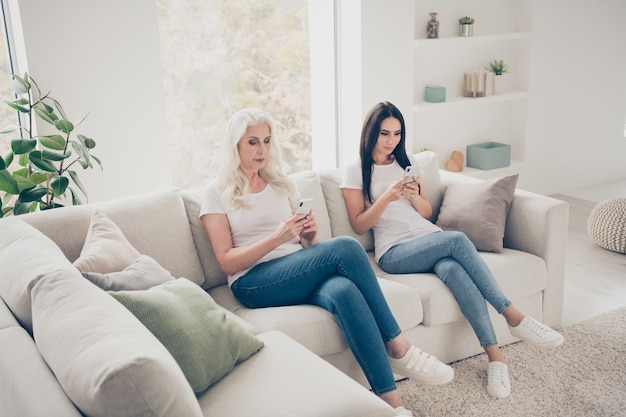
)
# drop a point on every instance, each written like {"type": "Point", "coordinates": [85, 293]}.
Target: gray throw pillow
{"type": "Point", "coordinates": [479, 210]}
{"type": "Point", "coordinates": [142, 274]}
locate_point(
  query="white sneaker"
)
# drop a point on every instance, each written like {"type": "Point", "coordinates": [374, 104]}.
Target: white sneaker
{"type": "Point", "coordinates": [401, 411]}
{"type": "Point", "coordinates": [537, 334]}
{"type": "Point", "coordinates": [422, 367]}
{"type": "Point", "coordinates": [498, 383]}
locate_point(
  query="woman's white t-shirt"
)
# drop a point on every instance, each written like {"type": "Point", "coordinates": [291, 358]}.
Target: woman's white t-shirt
{"type": "Point", "coordinates": [400, 222]}
{"type": "Point", "coordinates": [248, 226]}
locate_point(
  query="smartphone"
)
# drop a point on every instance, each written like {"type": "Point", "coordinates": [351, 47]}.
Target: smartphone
{"type": "Point", "coordinates": [304, 206]}
{"type": "Point", "coordinates": [412, 171]}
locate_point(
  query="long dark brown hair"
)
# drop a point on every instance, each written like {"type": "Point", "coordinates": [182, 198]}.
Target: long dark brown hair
{"type": "Point", "coordinates": [369, 137]}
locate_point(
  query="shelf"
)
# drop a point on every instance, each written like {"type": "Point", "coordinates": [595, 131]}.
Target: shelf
{"type": "Point", "coordinates": [460, 40]}
{"type": "Point", "coordinates": [424, 106]}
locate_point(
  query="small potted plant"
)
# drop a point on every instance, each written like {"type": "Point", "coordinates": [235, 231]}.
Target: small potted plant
{"type": "Point", "coordinates": [466, 26]}
{"type": "Point", "coordinates": [498, 68]}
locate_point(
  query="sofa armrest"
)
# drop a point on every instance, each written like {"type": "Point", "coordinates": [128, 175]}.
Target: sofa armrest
{"type": "Point", "coordinates": [536, 224]}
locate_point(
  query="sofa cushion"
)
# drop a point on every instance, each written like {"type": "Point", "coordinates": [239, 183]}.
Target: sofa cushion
{"type": "Point", "coordinates": [25, 256]}
{"type": "Point", "coordinates": [309, 186]}
{"type": "Point", "coordinates": [155, 223]}
{"type": "Point", "coordinates": [107, 362]}
{"type": "Point", "coordinates": [431, 179]}
{"type": "Point", "coordinates": [7, 319]}
{"type": "Point", "coordinates": [518, 274]}
{"type": "Point", "coordinates": [285, 379]}
{"type": "Point", "coordinates": [314, 327]}
{"type": "Point", "coordinates": [27, 386]}
{"type": "Point", "coordinates": [105, 249]}
{"type": "Point", "coordinates": [142, 274]}
{"type": "Point", "coordinates": [189, 324]}
{"type": "Point", "coordinates": [213, 274]}
{"type": "Point", "coordinates": [479, 210]}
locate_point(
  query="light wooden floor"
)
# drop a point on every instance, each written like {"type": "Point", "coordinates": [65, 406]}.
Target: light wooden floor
{"type": "Point", "coordinates": [595, 278]}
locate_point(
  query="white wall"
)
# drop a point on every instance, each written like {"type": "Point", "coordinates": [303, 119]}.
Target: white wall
{"type": "Point", "coordinates": [578, 96]}
{"type": "Point", "coordinates": [103, 57]}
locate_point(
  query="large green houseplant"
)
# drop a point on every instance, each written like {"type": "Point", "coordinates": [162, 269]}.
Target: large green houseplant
{"type": "Point", "coordinates": [39, 170]}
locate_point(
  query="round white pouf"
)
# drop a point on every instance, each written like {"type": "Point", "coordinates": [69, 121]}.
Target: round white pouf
{"type": "Point", "coordinates": [607, 224]}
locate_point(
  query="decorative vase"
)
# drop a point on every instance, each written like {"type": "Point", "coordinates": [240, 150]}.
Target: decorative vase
{"type": "Point", "coordinates": [496, 84]}
{"type": "Point", "coordinates": [432, 29]}
{"type": "Point", "coordinates": [466, 30]}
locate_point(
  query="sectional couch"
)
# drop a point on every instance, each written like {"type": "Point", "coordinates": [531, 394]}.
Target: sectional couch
{"type": "Point", "coordinates": [67, 348]}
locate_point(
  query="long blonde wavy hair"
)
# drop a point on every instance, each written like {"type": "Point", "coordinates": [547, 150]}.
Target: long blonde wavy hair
{"type": "Point", "coordinates": [231, 179]}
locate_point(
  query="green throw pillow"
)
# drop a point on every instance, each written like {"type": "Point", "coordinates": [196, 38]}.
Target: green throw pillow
{"type": "Point", "coordinates": [193, 329]}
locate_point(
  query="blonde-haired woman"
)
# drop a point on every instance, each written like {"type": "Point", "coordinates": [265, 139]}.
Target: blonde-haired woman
{"type": "Point", "coordinates": [273, 258]}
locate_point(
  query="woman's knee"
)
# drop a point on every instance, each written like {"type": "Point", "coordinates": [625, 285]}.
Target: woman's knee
{"type": "Point", "coordinates": [447, 269]}
{"type": "Point", "coordinates": [347, 245]}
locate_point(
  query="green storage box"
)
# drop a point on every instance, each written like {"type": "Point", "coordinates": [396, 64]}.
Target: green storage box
{"type": "Point", "coordinates": [488, 155]}
{"type": "Point", "coordinates": [435, 94]}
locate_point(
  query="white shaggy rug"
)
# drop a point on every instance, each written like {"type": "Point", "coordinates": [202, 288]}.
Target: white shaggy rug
{"type": "Point", "coordinates": [586, 376]}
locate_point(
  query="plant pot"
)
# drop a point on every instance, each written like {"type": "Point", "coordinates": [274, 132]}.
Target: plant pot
{"type": "Point", "coordinates": [466, 30]}
{"type": "Point", "coordinates": [496, 84]}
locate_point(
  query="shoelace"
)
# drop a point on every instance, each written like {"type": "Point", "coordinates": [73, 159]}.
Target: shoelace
{"type": "Point", "coordinates": [539, 329]}
{"type": "Point", "coordinates": [498, 375]}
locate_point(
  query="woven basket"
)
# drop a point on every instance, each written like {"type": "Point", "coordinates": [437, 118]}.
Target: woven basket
{"type": "Point", "coordinates": [607, 224]}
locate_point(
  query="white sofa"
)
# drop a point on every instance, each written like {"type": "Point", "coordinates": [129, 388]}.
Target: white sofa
{"type": "Point", "coordinates": [43, 359]}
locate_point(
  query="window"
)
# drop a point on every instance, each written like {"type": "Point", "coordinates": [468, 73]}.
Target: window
{"type": "Point", "coordinates": [7, 115]}
{"type": "Point", "coordinates": [223, 55]}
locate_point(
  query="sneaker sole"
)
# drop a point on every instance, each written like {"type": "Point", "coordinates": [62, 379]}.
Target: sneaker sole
{"type": "Point", "coordinates": [428, 381]}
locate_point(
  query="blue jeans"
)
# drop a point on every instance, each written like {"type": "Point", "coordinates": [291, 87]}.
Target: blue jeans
{"type": "Point", "coordinates": [336, 275]}
{"type": "Point", "coordinates": [453, 257]}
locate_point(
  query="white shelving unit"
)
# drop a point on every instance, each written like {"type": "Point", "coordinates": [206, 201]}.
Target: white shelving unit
{"type": "Point", "coordinates": [503, 30]}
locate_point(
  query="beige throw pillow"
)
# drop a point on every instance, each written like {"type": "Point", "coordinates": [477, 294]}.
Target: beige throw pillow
{"type": "Point", "coordinates": [479, 210]}
{"type": "Point", "coordinates": [106, 249]}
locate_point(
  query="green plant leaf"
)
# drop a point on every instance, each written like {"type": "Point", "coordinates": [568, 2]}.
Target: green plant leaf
{"type": "Point", "coordinates": [83, 153]}
{"type": "Point", "coordinates": [59, 108]}
{"type": "Point", "coordinates": [95, 158]}
{"type": "Point", "coordinates": [23, 146]}
{"type": "Point", "coordinates": [38, 177]}
{"type": "Point", "coordinates": [59, 185]}
{"type": "Point", "coordinates": [46, 115]}
{"type": "Point", "coordinates": [8, 158]}
{"type": "Point", "coordinates": [20, 85]}
{"type": "Point", "coordinates": [88, 142]}
{"type": "Point", "coordinates": [32, 194]}
{"type": "Point", "coordinates": [21, 109]}
{"type": "Point", "coordinates": [23, 208]}
{"type": "Point", "coordinates": [82, 119]}
{"type": "Point", "coordinates": [54, 156]}
{"type": "Point", "coordinates": [63, 125]}
{"type": "Point", "coordinates": [75, 199]}
{"type": "Point", "coordinates": [23, 159]}
{"type": "Point", "coordinates": [79, 184]}
{"type": "Point", "coordinates": [8, 183]}
{"type": "Point", "coordinates": [56, 142]}
{"type": "Point", "coordinates": [24, 182]}
{"type": "Point", "coordinates": [44, 165]}
{"type": "Point", "coordinates": [3, 164]}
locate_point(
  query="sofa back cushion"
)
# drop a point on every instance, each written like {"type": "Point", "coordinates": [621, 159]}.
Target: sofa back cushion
{"type": "Point", "coordinates": [25, 256]}
{"type": "Point", "coordinates": [108, 363]}
{"type": "Point", "coordinates": [154, 223]}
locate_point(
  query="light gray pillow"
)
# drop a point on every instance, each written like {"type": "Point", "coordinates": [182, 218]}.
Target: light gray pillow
{"type": "Point", "coordinates": [142, 274]}
{"type": "Point", "coordinates": [479, 210]}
